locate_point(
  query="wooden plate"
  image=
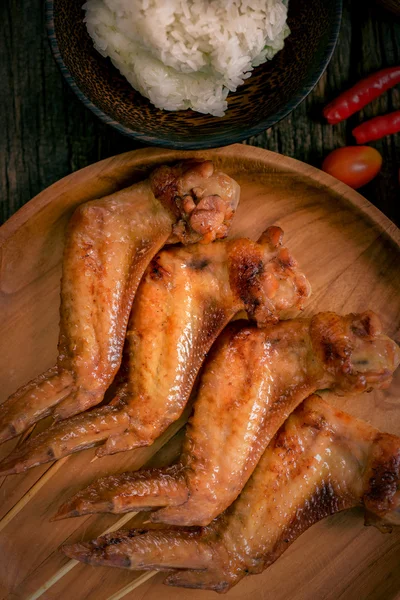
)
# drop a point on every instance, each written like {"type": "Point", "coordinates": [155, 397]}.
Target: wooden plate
{"type": "Point", "coordinates": [350, 252]}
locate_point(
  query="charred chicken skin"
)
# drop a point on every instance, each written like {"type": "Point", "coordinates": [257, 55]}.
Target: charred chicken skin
{"type": "Point", "coordinates": [320, 462]}
{"type": "Point", "coordinates": [188, 294]}
{"type": "Point", "coordinates": [109, 244]}
{"type": "Point", "coordinates": [252, 381]}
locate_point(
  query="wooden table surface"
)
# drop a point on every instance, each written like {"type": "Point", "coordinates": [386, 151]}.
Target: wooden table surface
{"type": "Point", "coordinates": [47, 133]}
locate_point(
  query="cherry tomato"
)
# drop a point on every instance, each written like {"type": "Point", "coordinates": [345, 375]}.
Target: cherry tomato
{"type": "Point", "coordinates": [354, 165]}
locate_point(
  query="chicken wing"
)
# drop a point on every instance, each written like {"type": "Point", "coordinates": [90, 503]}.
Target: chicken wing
{"type": "Point", "coordinates": [321, 461]}
{"type": "Point", "coordinates": [186, 297]}
{"type": "Point", "coordinates": [109, 244]}
{"type": "Point", "coordinates": [252, 381]}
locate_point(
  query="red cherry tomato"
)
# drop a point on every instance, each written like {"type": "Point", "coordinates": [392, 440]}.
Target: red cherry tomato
{"type": "Point", "coordinates": [354, 165]}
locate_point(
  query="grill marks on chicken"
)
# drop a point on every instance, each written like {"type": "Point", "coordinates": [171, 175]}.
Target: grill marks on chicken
{"type": "Point", "coordinates": [187, 296]}
{"type": "Point", "coordinates": [109, 244]}
{"type": "Point", "coordinates": [252, 381]}
{"type": "Point", "coordinates": [320, 462]}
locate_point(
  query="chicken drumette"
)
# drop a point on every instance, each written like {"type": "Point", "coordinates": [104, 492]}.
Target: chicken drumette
{"type": "Point", "coordinates": [109, 244]}
{"type": "Point", "coordinates": [252, 381]}
{"type": "Point", "coordinates": [321, 461]}
{"type": "Point", "coordinates": [186, 297]}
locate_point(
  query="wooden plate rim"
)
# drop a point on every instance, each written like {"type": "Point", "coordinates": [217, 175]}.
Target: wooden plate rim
{"type": "Point", "coordinates": [241, 151]}
{"type": "Point", "coordinates": [241, 155]}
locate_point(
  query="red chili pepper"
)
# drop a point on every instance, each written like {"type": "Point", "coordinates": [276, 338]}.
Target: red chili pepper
{"type": "Point", "coordinates": [361, 94]}
{"type": "Point", "coordinates": [378, 127]}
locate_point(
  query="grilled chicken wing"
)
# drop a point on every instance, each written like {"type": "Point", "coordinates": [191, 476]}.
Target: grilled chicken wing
{"type": "Point", "coordinates": [252, 381]}
{"type": "Point", "coordinates": [186, 297]}
{"type": "Point", "coordinates": [109, 244]}
{"type": "Point", "coordinates": [321, 461]}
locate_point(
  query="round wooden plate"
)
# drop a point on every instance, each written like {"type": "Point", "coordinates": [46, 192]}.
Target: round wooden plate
{"type": "Point", "coordinates": [350, 252]}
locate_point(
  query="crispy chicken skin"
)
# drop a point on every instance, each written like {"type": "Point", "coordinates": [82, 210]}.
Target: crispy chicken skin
{"type": "Point", "coordinates": [252, 381]}
{"type": "Point", "coordinates": [320, 462]}
{"type": "Point", "coordinates": [109, 244]}
{"type": "Point", "coordinates": [186, 297]}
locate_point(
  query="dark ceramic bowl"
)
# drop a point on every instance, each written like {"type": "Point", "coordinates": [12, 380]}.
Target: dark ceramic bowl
{"type": "Point", "coordinates": [272, 92]}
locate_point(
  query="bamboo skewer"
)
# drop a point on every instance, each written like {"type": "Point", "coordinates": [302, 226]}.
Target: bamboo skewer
{"type": "Point", "coordinates": [66, 568]}
{"type": "Point", "coordinates": [120, 523]}
{"type": "Point", "coordinates": [171, 431]}
{"type": "Point", "coordinates": [72, 563]}
{"type": "Point", "coordinates": [53, 580]}
{"type": "Point", "coordinates": [25, 435]}
{"type": "Point", "coordinates": [35, 488]}
{"type": "Point", "coordinates": [31, 493]}
{"type": "Point", "coordinates": [21, 440]}
{"type": "Point", "coordinates": [133, 585]}
{"type": "Point", "coordinates": [22, 502]}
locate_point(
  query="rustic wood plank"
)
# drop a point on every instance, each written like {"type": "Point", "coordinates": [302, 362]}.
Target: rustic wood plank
{"type": "Point", "coordinates": [368, 40]}
{"type": "Point", "coordinates": [48, 133]}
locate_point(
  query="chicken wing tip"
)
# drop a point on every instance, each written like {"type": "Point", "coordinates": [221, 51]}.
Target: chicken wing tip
{"type": "Point", "coordinates": [11, 466]}
{"type": "Point", "coordinates": [63, 513]}
{"type": "Point", "coordinates": [7, 432]}
{"type": "Point", "coordinates": [81, 552]}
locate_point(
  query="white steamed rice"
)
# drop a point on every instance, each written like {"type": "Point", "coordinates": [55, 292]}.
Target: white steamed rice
{"type": "Point", "coordinates": [187, 53]}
